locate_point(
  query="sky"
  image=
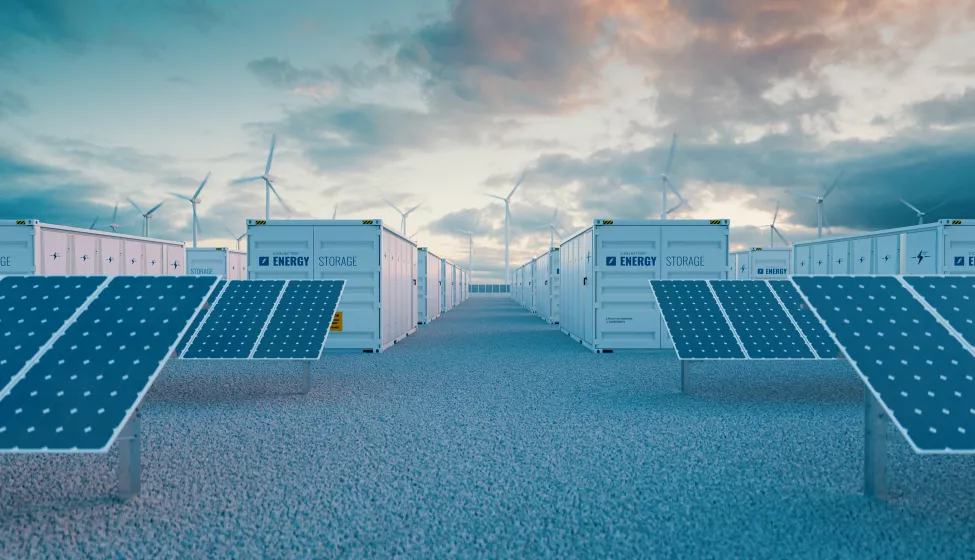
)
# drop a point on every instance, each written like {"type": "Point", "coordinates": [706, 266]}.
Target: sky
{"type": "Point", "coordinates": [438, 103]}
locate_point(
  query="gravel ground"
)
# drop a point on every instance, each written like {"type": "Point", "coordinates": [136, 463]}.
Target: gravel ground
{"type": "Point", "coordinates": [491, 434]}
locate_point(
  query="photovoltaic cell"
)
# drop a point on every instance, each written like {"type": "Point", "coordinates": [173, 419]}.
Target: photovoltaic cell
{"type": "Point", "coordinates": [808, 324]}
{"type": "Point", "coordinates": [922, 375]}
{"type": "Point", "coordinates": [299, 326]}
{"type": "Point", "coordinates": [697, 326]}
{"type": "Point", "coordinates": [181, 346]}
{"type": "Point", "coordinates": [234, 324]}
{"type": "Point", "coordinates": [81, 391]}
{"type": "Point", "coordinates": [952, 297]}
{"type": "Point", "coordinates": [764, 328]}
{"type": "Point", "coordinates": [32, 310]}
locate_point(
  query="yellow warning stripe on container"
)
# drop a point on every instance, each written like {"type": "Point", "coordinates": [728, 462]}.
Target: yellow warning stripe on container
{"type": "Point", "coordinates": [367, 222]}
{"type": "Point", "coordinates": [715, 222]}
{"type": "Point", "coordinates": [260, 222]}
{"type": "Point", "coordinates": [336, 325]}
{"type": "Point", "coordinates": [607, 222]}
{"type": "Point", "coordinates": [956, 222]}
{"type": "Point", "coordinates": [21, 222]}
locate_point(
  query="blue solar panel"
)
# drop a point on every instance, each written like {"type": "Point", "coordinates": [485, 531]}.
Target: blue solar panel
{"type": "Point", "coordinates": [181, 346]}
{"type": "Point", "coordinates": [299, 326]}
{"type": "Point", "coordinates": [32, 310]}
{"type": "Point", "coordinates": [234, 324]}
{"type": "Point", "coordinates": [764, 328]}
{"type": "Point", "coordinates": [697, 326]}
{"type": "Point", "coordinates": [952, 297]}
{"type": "Point", "coordinates": [807, 321]}
{"type": "Point", "coordinates": [79, 394]}
{"type": "Point", "coordinates": [922, 375]}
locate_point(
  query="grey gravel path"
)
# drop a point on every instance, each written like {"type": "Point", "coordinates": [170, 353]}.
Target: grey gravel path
{"type": "Point", "coordinates": [490, 434]}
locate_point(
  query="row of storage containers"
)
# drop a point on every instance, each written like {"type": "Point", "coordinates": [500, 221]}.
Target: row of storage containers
{"type": "Point", "coordinates": [33, 247]}
{"type": "Point", "coordinates": [536, 285]}
{"type": "Point", "coordinates": [391, 286]}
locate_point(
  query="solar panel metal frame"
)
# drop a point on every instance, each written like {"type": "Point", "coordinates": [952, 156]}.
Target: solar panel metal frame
{"type": "Point", "coordinates": [933, 310]}
{"type": "Point", "coordinates": [793, 319]}
{"type": "Point", "coordinates": [924, 304]}
{"type": "Point", "coordinates": [260, 336]}
{"type": "Point", "coordinates": [203, 318]}
{"type": "Point", "coordinates": [720, 308]}
{"type": "Point", "coordinates": [54, 336]}
{"type": "Point", "coordinates": [141, 394]}
{"type": "Point", "coordinates": [734, 331]}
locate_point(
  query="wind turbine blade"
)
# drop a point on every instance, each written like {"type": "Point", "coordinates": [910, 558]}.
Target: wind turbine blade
{"type": "Point", "coordinates": [115, 214]}
{"type": "Point", "coordinates": [776, 215]}
{"type": "Point", "coordinates": [826, 222]}
{"type": "Point", "coordinates": [938, 206]}
{"type": "Point", "coordinates": [335, 211]}
{"type": "Point", "coordinates": [782, 237]}
{"type": "Point", "coordinates": [911, 206]}
{"type": "Point", "coordinates": [156, 207]}
{"type": "Point", "coordinates": [408, 212]}
{"type": "Point", "coordinates": [555, 214]}
{"type": "Point", "coordinates": [92, 226]}
{"type": "Point", "coordinates": [803, 195]}
{"type": "Point", "coordinates": [394, 207]}
{"type": "Point", "coordinates": [495, 196]}
{"type": "Point", "coordinates": [281, 200]}
{"type": "Point", "coordinates": [203, 184]}
{"type": "Point", "coordinates": [199, 230]}
{"type": "Point", "coordinates": [243, 235]}
{"type": "Point", "coordinates": [833, 186]}
{"type": "Point", "coordinates": [518, 184]}
{"type": "Point", "coordinates": [462, 231]}
{"type": "Point", "coordinates": [674, 189]}
{"type": "Point", "coordinates": [136, 206]}
{"type": "Point", "coordinates": [246, 180]}
{"type": "Point", "coordinates": [232, 234]}
{"type": "Point", "coordinates": [270, 155]}
{"type": "Point", "coordinates": [670, 156]}
{"type": "Point", "coordinates": [183, 196]}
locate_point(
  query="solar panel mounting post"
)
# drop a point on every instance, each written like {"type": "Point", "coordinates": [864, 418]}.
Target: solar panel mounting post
{"type": "Point", "coordinates": [305, 376]}
{"type": "Point", "coordinates": [875, 448]}
{"type": "Point", "coordinates": [130, 458]}
{"type": "Point", "coordinates": [685, 376]}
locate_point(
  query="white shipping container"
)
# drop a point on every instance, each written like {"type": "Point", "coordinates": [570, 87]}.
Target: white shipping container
{"type": "Point", "coordinates": [942, 247]}
{"type": "Point", "coordinates": [221, 261]}
{"type": "Point", "coordinates": [429, 285]}
{"type": "Point", "coordinates": [447, 271]}
{"type": "Point", "coordinates": [761, 263]}
{"type": "Point", "coordinates": [378, 306]}
{"type": "Point", "coordinates": [547, 285]}
{"type": "Point", "coordinates": [456, 285]}
{"type": "Point", "coordinates": [606, 302]}
{"type": "Point", "coordinates": [35, 248]}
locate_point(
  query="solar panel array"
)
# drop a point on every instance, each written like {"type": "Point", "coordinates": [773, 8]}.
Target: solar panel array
{"type": "Point", "coordinates": [267, 320]}
{"type": "Point", "coordinates": [910, 340]}
{"type": "Point", "coordinates": [93, 369]}
{"type": "Point", "coordinates": [740, 319]}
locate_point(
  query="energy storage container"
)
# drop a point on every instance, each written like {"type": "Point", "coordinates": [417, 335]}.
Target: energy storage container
{"type": "Point", "coordinates": [606, 301]}
{"type": "Point", "coordinates": [456, 284]}
{"type": "Point", "coordinates": [33, 247]}
{"type": "Point", "coordinates": [530, 271]}
{"type": "Point", "coordinates": [942, 247]}
{"type": "Point", "coordinates": [547, 285]}
{"type": "Point", "coordinates": [447, 294]}
{"type": "Point", "coordinates": [429, 285]}
{"type": "Point", "coordinates": [378, 306]}
{"type": "Point", "coordinates": [759, 263]}
{"type": "Point", "coordinates": [221, 261]}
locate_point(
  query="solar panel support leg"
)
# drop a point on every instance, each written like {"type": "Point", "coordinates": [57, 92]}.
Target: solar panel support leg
{"type": "Point", "coordinates": [685, 376]}
{"type": "Point", "coordinates": [875, 449]}
{"type": "Point", "coordinates": [305, 376]}
{"type": "Point", "coordinates": [130, 458]}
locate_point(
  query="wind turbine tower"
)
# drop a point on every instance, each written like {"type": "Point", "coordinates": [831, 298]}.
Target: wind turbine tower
{"type": "Point", "coordinates": [403, 215]}
{"type": "Point", "coordinates": [821, 215]}
{"type": "Point", "coordinates": [507, 225]}
{"type": "Point", "coordinates": [145, 215]}
{"type": "Point", "coordinates": [269, 181]}
{"type": "Point", "coordinates": [920, 214]}
{"type": "Point", "coordinates": [194, 200]}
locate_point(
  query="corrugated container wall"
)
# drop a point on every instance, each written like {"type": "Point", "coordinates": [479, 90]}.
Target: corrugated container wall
{"type": "Point", "coordinates": [762, 263]}
{"type": "Point", "coordinates": [547, 285]}
{"type": "Point", "coordinates": [447, 270]}
{"type": "Point", "coordinates": [456, 285]}
{"type": "Point", "coordinates": [35, 248]}
{"type": "Point", "coordinates": [378, 265]}
{"type": "Point", "coordinates": [221, 261]}
{"type": "Point", "coordinates": [533, 286]}
{"type": "Point", "coordinates": [429, 285]}
{"type": "Point", "coordinates": [942, 247]}
{"type": "Point", "coordinates": [606, 302]}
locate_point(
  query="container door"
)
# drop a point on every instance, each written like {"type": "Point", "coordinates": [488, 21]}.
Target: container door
{"type": "Point", "coordinates": [155, 259]}
{"type": "Point", "coordinates": [839, 257]}
{"type": "Point", "coordinates": [421, 282]}
{"type": "Point", "coordinates": [110, 256]}
{"type": "Point", "coordinates": [132, 264]}
{"type": "Point", "coordinates": [862, 256]}
{"type": "Point", "coordinates": [921, 252]}
{"type": "Point", "coordinates": [958, 244]}
{"type": "Point", "coordinates": [55, 253]}
{"type": "Point", "coordinates": [886, 255]}
{"type": "Point", "coordinates": [820, 259]}
{"type": "Point", "coordinates": [802, 260]}
{"type": "Point", "coordinates": [771, 264]}
{"type": "Point", "coordinates": [743, 270]}
{"type": "Point", "coordinates": [84, 254]}
{"type": "Point", "coordinates": [285, 252]}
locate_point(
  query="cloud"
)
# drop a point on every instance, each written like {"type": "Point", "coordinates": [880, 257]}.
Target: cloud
{"type": "Point", "coordinates": [279, 73]}
{"type": "Point", "coordinates": [12, 103]}
{"type": "Point", "coordinates": [57, 22]}
{"type": "Point", "coordinates": [198, 14]}
{"type": "Point", "coordinates": [946, 110]}
{"type": "Point", "coordinates": [322, 84]}
{"type": "Point", "coordinates": [88, 154]}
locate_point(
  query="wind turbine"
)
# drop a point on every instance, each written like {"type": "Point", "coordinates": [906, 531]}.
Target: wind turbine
{"type": "Point", "coordinates": [114, 225]}
{"type": "Point", "coordinates": [470, 247]}
{"type": "Point", "coordinates": [402, 223]}
{"type": "Point", "coordinates": [269, 181]}
{"type": "Point", "coordinates": [238, 238]}
{"type": "Point", "coordinates": [507, 225]}
{"type": "Point", "coordinates": [920, 214]}
{"type": "Point", "coordinates": [775, 230]}
{"type": "Point", "coordinates": [553, 229]}
{"type": "Point", "coordinates": [819, 203]}
{"type": "Point", "coordinates": [146, 215]}
{"type": "Point", "coordinates": [194, 200]}
{"type": "Point", "coordinates": [335, 211]}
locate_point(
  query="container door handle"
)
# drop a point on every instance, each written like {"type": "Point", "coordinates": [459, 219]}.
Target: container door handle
{"type": "Point", "coordinates": [584, 280]}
